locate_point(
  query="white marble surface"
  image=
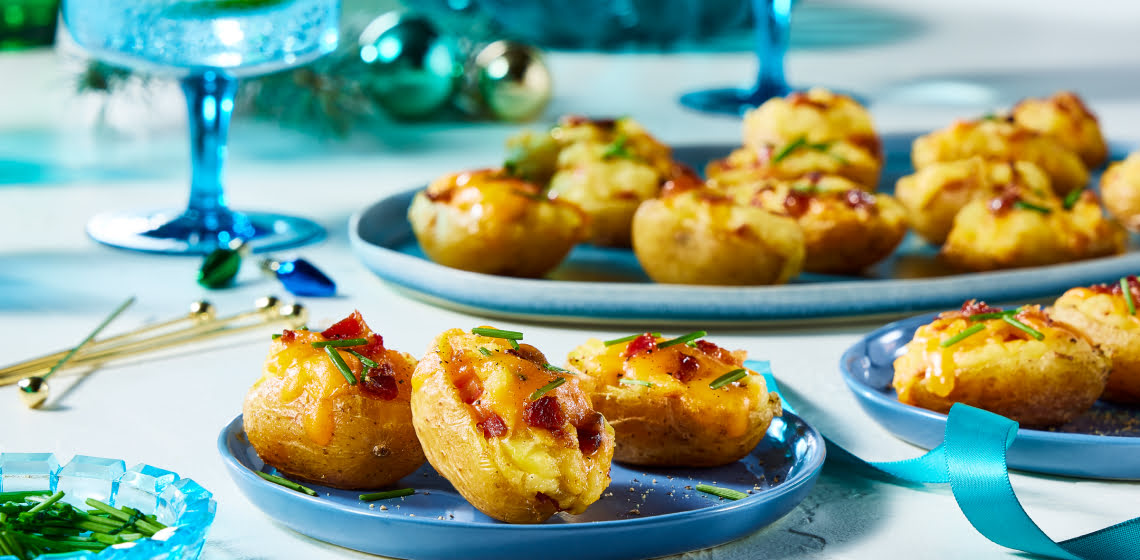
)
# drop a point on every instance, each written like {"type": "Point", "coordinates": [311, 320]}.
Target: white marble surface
{"type": "Point", "coordinates": [55, 284]}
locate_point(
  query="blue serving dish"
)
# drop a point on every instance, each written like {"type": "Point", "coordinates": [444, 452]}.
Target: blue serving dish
{"type": "Point", "coordinates": [181, 504]}
{"type": "Point", "coordinates": [596, 284]}
{"type": "Point", "coordinates": [645, 513]}
{"type": "Point", "coordinates": [1102, 443]}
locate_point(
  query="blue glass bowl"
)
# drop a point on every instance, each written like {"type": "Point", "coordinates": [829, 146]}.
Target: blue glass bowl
{"type": "Point", "coordinates": [181, 504]}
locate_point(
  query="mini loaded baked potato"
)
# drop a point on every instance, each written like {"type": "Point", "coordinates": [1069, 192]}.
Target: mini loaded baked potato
{"type": "Point", "coordinates": [792, 159]}
{"type": "Point", "coordinates": [846, 229]}
{"type": "Point", "coordinates": [1018, 228]}
{"type": "Point", "coordinates": [1065, 117]}
{"type": "Point", "coordinates": [487, 221]}
{"type": "Point", "coordinates": [305, 418]}
{"type": "Point", "coordinates": [701, 237]}
{"type": "Point", "coordinates": [516, 436]}
{"type": "Point", "coordinates": [676, 404]}
{"type": "Point", "coordinates": [1120, 188]}
{"type": "Point", "coordinates": [1018, 363]}
{"type": "Point", "coordinates": [1004, 140]}
{"type": "Point", "coordinates": [1108, 315]}
{"type": "Point", "coordinates": [934, 194]}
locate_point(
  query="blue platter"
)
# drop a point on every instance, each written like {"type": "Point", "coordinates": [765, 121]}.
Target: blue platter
{"type": "Point", "coordinates": [1102, 443]}
{"type": "Point", "coordinates": [595, 285]}
{"type": "Point", "coordinates": [645, 513]}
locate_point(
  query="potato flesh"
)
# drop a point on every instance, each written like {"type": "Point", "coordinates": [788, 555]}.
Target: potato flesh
{"type": "Point", "coordinates": [1114, 329]}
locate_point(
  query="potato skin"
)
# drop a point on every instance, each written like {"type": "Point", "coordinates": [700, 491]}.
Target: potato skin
{"type": "Point", "coordinates": [1003, 140]}
{"type": "Point", "coordinates": [1065, 117]}
{"type": "Point", "coordinates": [701, 237]}
{"type": "Point", "coordinates": [524, 474]}
{"type": "Point", "coordinates": [1120, 188]}
{"type": "Point", "coordinates": [303, 417]}
{"type": "Point", "coordinates": [994, 234]}
{"type": "Point", "coordinates": [485, 221]}
{"type": "Point", "coordinates": [679, 420]}
{"type": "Point", "coordinates": [1101, 312]}
{"type": "Point", "coordinates": [934, 194]}
{"type": "Point", "coordinates": [1002, 369]}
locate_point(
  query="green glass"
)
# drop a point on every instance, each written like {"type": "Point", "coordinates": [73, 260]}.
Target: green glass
{"type": "Point", "coordinates": [27, 23]}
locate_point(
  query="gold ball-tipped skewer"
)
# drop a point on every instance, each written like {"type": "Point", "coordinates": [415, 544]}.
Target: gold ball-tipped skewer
{"type": "Point", "coordinates": [271, 311]}
{"type": "Point", "coordinates": [200, 311]}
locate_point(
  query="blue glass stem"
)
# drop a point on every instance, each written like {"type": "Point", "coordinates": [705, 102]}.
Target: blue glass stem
{"type": "Point", "coordinates": [210, 98]}
{"type": "Point", "coordinates": [773, 24]}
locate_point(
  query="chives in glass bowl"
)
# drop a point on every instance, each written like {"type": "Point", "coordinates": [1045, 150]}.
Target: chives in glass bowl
{"type": "Point", "coordinates": [101, 510]}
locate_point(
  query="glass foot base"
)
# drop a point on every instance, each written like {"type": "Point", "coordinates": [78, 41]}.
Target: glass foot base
{"type": "Point", "coordinates": [729, 101]}
{"type": "Point", "coordinates": [178, 233]}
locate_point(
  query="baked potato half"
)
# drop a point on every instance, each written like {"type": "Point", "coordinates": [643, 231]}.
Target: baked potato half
{"type": "Point", "coordinates": [672, 404]}
{"type": "Point", "coordinates": [795, 158]}
{"type": "Point", "coordinates": [1107, 315]}
{"type": "Point", "coordinates": [304, 418]}
{"type": "Point", "coordinates": [1019, 363]}
{"type": "Point", "coordinates": [516, 436]}
{"type": "Point", "coordinates": [934, 194]}
{"type": "Point", "coordinates": [845, 229]}
{"type": "Point", "coordinates": [702, 237]}
{"type": "Point", "coordinates": [1065, 116]}
{"type": "Point", "coordinates": [486, 221]}
{"type": "Point", "coordinates": [1120, 188]}
{"type": "Point", "coordinates": [1004, 140]}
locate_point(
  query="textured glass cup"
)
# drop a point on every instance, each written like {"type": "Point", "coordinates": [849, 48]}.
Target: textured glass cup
{"type": "Point", "coordinates": [773, 20]}
{"type": "Point", "coordinates": [207, 45]}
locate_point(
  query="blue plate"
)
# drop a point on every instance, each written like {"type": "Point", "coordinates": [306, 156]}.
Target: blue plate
{"type": "Point", "coordinates": [645, 512]}
{"type": "Point", "coordinates": [607, 285]}
{"type": "Point", "coordinates": [1102, 443]}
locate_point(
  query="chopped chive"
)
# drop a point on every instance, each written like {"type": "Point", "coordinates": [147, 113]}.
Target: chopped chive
{"type": "Point", "coordinates": [1126, 289]}
{"type": "Point", "coordinates": [629, 338]}
{"type": "Point", "coordinates": [553, 367]}
{"type": "Point", "coordinates": [497, 333]}
{"type": "Point", "coordinates": [1072, 198]}
{"type": "Point", "coordinates": [800, 187]}
{"type": "Point", "coordinates": [964, 335]}
{"type": "Point", "coordinates": [514, 343]}
{"type": "Point", "coordinates": [21, 495]}
{"type": "Point", "coordinates": [789, 148]}
{"type": "Point", "coordinates": [734, 375]}
{"type": "Point", "coordinates": [1032, 331]}
{"type": "Point", "coordinates": [341, 343]}
{"type": "Point", "coordinates": [682, 339]}
{"type": "Point", "coordinates": [1030, 206]}
{"type": "Point", "coordinates": [370, 364]}
{"type": "Point", "coordinates": [276, 336]}
{"type": "Point", "coordinates": [340, 365]}
{"type": "Point", "coordinates": [619, 148]}
{"type": "Point", "coordinates": [726, 493]}
{"type": "Point", "coordinates": [996, 315]}
{"type": "Point", "coordinates": [387, 494]}
{"type": "Point", "coordinates": [625, 381]}
{"type": "Point", "coordinates": [287, 483]}
{"type": "Point", "coordinates": [547, 388]}
{"type": "Point", "coordinates": [44, 504]}
{"type": "Point", "coordinates": [484, 351]}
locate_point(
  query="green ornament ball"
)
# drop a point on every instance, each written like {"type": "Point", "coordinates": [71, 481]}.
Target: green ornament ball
{"type": "Point", "coordinates": [511, 81]}
{"type": "Point", "coordinates": [409, 68]}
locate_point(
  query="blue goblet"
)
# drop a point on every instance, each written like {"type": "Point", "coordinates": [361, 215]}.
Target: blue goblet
{"type": "Point", "coordinates": [207, 45]}
{"type": "Point", "coordinates": [773, 20]}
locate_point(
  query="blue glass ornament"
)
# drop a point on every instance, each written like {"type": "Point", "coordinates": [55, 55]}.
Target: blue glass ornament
{"type": "Point", "coordinates": [300, 278]}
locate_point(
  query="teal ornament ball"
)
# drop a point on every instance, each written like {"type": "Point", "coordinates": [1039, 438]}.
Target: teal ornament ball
{"type": "Point", "coordinates": [512, 81]}
{"type": "Point", "coordinates": [410, 69]}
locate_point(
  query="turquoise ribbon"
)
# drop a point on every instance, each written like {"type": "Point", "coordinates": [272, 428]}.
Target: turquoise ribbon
{"type": "Point", "coordinates": [971, 459]}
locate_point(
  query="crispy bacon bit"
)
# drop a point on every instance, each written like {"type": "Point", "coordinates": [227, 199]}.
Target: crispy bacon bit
{"type": "Point", "coordinates": [643, 343]}
{"type": "Point", "coordinates": [439, 195]}
{"type": "Point", "coordinates": [683, 178]}
{"type": "Point", "coordinates": [288, 336]}
{"type": "Point", "coordinates": [591, 431]}
{"type": "Point", "coordinates": [470, 387]}
{"type": "Point", "coordinates": [380, 383]}
{"type": "Point", "coordinates": [1004, 201]}
{"type": "Point", "coordinates": [796, 203]}
{"type": "Point", "coordinates": [800, 98]}
{"type": "Point", "coordinates": [491, 424]}
{"type": "Point", "coordinates": [686, 367]}
{"type": "Point", "coordinates": [528, 353]}
{"type": "Point", "coordinates": [714, 351]}
{"type": "Point", "coordinates": [354, 326]}
{"type": "Point", "coordinates": [814, 177]}
{"type": "Point", "coordinates": [1114, 288]}
{"type": "Point", "coordinates": [544, 413]}
{"type": "Point", "coordinates": [975, 307]}
{"type": "Point", "coordinates": [857, 199]}
{"type": "Point", "coordinates": [576, 120]}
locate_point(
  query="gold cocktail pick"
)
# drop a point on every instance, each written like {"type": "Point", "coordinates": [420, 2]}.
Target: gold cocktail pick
{"type": "Point", "coordinates": [204, 325]}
